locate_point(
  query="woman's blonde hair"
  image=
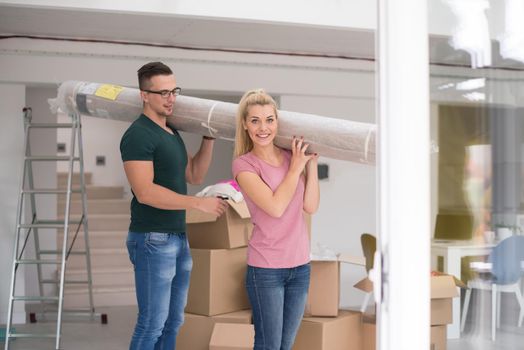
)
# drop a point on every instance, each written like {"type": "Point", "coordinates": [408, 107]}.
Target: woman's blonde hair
{"type": "Point", "coordinates": [243, 143]}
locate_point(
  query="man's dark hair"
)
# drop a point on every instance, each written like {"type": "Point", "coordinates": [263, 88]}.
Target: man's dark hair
{"type": "Point", "coordinates": [149, 70]}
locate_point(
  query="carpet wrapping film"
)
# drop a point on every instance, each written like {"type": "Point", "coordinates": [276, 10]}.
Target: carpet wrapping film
{"type": "Point", "coordinates": [329, 137]}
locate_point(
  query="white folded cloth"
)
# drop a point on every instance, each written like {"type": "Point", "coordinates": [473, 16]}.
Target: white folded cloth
{"type": "Point", "coordinates": [221, 190]}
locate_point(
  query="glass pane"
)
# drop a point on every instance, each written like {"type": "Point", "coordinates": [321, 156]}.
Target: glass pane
{"type": "Point", "coordinates": [477, 131]}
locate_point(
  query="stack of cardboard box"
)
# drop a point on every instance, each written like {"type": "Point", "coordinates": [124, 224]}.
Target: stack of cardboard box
{"type": "Point", "coordinates": [217, 310]}
{"type": "Point", "coordinates": [324, 326]}
{"type": "Point", "coordinates": [217, 293]}
{"type": "Point", "coordinates": [217, 313]}
{"type": "Point", "coordinates": [443, 289]}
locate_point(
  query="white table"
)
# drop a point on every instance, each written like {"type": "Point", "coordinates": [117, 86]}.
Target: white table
{"type": "Point", "coordinates": [452, 251]}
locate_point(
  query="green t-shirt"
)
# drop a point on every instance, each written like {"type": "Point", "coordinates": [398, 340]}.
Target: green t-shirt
{"type": "Point", "coordinates": [146, 140]}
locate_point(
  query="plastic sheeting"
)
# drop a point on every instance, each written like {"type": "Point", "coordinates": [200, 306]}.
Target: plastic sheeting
{"type": "Point", "coordinates": [329, 137]}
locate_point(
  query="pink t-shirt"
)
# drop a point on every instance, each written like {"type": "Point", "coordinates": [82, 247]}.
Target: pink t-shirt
{"type": "Point", "coordinates": [276, 242]}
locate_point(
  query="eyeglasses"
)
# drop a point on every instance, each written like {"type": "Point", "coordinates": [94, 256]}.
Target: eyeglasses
{"type": "Point", "coordinates": [166, 93]}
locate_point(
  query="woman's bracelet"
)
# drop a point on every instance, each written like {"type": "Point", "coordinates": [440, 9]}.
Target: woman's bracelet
{"type": "Point", "coordinates": [208, 137]}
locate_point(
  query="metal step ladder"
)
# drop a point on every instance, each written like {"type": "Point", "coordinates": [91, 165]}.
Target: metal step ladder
{"type": "Point", "coordinates": [51, 305]}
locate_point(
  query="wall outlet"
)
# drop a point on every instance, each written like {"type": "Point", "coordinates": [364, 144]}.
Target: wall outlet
{"type": "Point", "coordinates": [323, 171]}
{"type": "Point", "coordinates": [100, 160]}
{"type": "Point", "coordinates": [60, 147]}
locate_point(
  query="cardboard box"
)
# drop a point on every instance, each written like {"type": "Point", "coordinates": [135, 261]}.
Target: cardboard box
{"type": "Point", "coordinates": [438, 335]}
{"type": "Point", "coordinates": [438, 338]}
{"type": "Point", "coordinates": [229, 336]}
{"type": "Point", "coordinates": [443, 288]}
{"type": "Point", "coordinates": [364, 284]}
{"type": "Point", "coordinates": [324, 289]}
{"type": "Point", "coordinates": [217, 283]}
{"type": "Point", "coordinates": [441, 311]}
{"type": "Point", "coordinates": [231, 230]}
{"type": "Point", "coordinates": [196, 331]}
{"type": "Point", "coordinates": [369, 332]}
{"type": "Point", "coordinates": [330, 333]}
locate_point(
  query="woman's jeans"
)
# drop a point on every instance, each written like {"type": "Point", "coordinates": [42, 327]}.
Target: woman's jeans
{"type": "Point", "coordinates": [162, 264]}
{"type": "Point", "coordinates": [278, 298]}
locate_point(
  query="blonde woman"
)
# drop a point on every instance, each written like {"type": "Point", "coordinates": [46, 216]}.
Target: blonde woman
{"type": "Point", "coordinates": [278, 186]}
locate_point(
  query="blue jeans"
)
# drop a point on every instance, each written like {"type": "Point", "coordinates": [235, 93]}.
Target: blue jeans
{"type": "Point", "coordinates": [278, 298]}
{"type": "Point", "coordinates": [162, 264]}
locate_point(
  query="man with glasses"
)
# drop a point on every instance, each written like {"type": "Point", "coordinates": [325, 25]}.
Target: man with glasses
{"type": "Point", "coordinates": [157, 167]}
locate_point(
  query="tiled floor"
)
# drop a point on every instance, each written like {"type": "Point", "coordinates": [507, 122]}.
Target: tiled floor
{"type": "Point", "coordinates": [82, 335]}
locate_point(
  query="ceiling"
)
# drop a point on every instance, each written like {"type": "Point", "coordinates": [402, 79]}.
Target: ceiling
{"type": "Point", "coordinates": [186, 31]}
{"type": "Point", "coordinates": [214, 33]}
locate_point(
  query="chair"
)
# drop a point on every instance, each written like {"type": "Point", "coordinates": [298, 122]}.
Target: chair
{"type": "Point", "coordinates": [369, 246]}
{"type": "Point", "coordinates": [505, 269]}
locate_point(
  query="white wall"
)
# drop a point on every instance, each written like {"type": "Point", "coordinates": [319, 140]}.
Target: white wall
{"type": "Point", "coordinates": [101, 138]}
{"type": "Point", "coordinates": [220, 168]}
{"type": "Point", "coordinates": [11, 161]}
